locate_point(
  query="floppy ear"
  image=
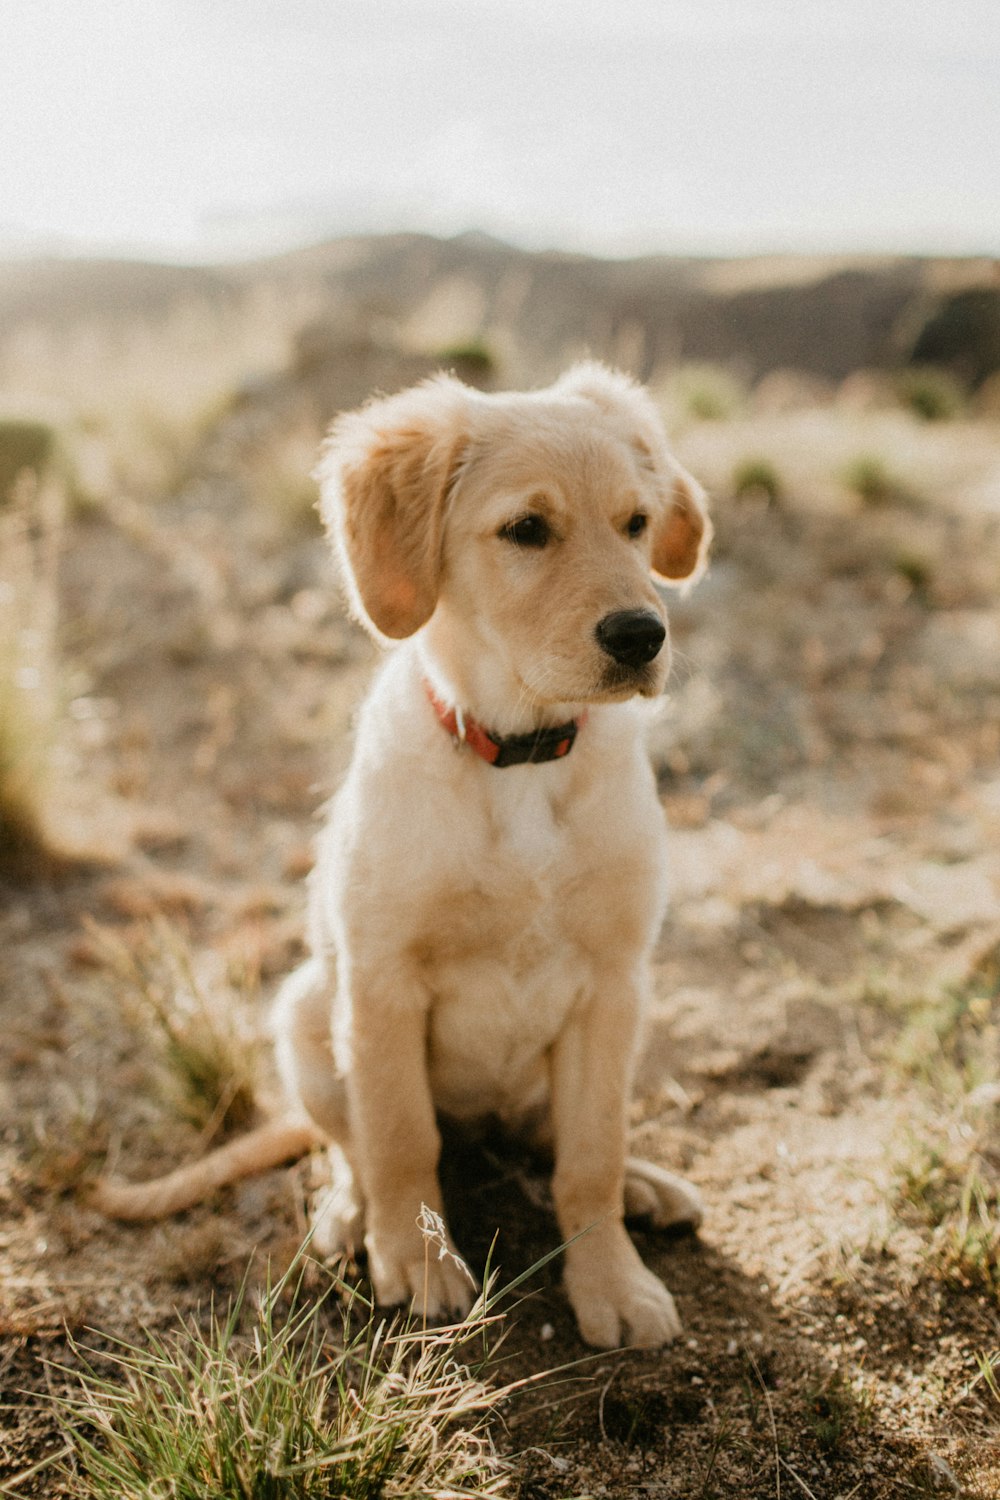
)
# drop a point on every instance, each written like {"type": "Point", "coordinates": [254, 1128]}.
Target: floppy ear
{"type": "Point", "coordinates": [385, 476]}
{"type": "Point", "coordinates": [681, 535]}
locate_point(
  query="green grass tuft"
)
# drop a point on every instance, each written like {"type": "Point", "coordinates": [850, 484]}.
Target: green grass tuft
{"type": "Point", "coordinates": [989, 1374]}
{"type": "Point", "coordinates": [284, 1397]}
{"type": "Point", "coordinates": [836, 1411]}
{"type": "Point", "coordinates": [954, 1193]}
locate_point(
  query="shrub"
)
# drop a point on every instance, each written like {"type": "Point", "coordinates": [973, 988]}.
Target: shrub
{"type": "Point", "coordinates": [757, 479]}
{"type": "Point", "coordinates": [917, 571]}
{"type": "Point", "coordinates": [708, 393]}
{"type": "Point", "coordinates": [931, 394]}
{"type": "Point", "coordinates": [471, 359]}
{"type": "Point", "coordinates": [963, 333]}
{"type": "Point", "coordinates": [868, 477]}
{"type": "Point", "coordinates": [25, 446]}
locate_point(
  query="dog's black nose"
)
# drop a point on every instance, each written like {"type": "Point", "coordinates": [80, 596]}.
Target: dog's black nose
{"type": "Point", "coordinates": [631, 636]}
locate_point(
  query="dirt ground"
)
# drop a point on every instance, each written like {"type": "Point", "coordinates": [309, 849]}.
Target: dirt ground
{"type": "Point", "coordinates": [820, 1059]}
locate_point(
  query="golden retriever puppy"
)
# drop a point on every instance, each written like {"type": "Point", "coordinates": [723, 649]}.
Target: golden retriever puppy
{"type": "Point", "coordinates": [491, 878]}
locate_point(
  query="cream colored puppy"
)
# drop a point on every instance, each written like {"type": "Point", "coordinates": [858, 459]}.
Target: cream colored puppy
{"type": "Point", "coordinates": [491, 878]}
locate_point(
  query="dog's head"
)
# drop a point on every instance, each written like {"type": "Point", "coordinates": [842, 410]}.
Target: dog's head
{"type": "Point", "coordinates": [523, 533]}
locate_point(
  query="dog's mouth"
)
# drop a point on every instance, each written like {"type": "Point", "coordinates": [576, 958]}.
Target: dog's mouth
{"type": "Point", "coordinates": [613, 682]}
{"type": "Point", "coordinates": [619, 681]}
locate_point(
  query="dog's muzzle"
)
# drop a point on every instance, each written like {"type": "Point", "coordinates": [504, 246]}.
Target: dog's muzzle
{"type": "Point", "coordinates": [631, 637]}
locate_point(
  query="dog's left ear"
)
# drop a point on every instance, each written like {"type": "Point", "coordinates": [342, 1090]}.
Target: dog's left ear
{"type": "Point", "coordinates": [682, 537]}
{"type": "Point", "coordinates": [385, 477]}
{"type": "Point", "coordinates": [682, 531]}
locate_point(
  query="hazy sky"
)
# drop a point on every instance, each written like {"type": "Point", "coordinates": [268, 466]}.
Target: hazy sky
{"type": "Point", "coordinates": [204, 127]}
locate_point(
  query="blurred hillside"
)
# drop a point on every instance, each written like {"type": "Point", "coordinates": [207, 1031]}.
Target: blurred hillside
{"type": "Point", "coordinates": [823, 316]}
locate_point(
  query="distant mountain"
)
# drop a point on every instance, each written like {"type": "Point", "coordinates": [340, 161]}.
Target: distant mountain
{"type": "Point", "coordinates": [822, 315]}
{"type": "Point", "coordinates": [55, 291]}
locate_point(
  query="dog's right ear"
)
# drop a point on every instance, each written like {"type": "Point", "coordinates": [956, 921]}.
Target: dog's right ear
{"type": "Point", "coordinates": [385, 476]}
{"type": "Point", "coordinates": [683, 532]}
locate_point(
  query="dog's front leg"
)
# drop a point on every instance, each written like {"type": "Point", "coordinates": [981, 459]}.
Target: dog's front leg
{"type": "Point", "coordinates": [396, 1146]}
{"type": "Point", "coordinates": [615, 1298]}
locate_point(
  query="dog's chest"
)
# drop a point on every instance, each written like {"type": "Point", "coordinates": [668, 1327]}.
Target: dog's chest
{"type": "Point", "coordinates": [505, 957]}
{"type": "Point", "coordinates": [511, 887]}
{"type": "Point", "coordinates": [528, 825]}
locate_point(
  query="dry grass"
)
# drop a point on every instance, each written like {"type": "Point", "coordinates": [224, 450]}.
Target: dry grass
{"type": "Point", "coordinates": [702, 393]}
{"type": "Point", "coordinates": [950, 1185]}
{"type": "Point", "coordinates": [812, 450]}
{"type": "Point", "coordinates": [278, 472]}
{"type": "Point", "coordinates": [69, 1139]}
{"type": "Point", "coordinates": [29, 683]}
{"type": "Point", "coordinates": [201, 1030]}
{"type": "Point", "coordinates": [282, 1397]}
{"type": "Point", "coordinates": [133, 397]}
{"type": "Point", "coordinates": [948, 1175]}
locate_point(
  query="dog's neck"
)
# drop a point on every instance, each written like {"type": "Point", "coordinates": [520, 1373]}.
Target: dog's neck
{"type": "Point", "coordinates": [535, 747]}
{"type": "Point", "coordinates": [484, 689]}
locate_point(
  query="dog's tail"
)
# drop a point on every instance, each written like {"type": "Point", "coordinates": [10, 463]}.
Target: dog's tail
{"type": "Point", "coordinates": [268, 1146]}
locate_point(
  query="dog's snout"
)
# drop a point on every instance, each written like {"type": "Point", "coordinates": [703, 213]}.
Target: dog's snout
{"type": "Point", "coordinates": [632, 637]}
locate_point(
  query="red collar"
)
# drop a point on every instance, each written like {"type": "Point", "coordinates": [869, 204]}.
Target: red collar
{"type": "Point", "coordinates": [505, 750]}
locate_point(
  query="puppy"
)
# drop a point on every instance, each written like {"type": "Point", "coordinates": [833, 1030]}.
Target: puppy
{"type": "Point", "coordinates": [491, 878]}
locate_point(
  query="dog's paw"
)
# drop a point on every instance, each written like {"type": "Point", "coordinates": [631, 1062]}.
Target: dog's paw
{"type": "Point", "coordinates": [617, 1300]}
{"type": "Point", "coordinates": [636, 1310]}
{"type": "Point", "coordinates": [663, 1200]}
{"type": "Point", "coordinates": [413, 1270]}
{"type": "Point", "coordinates": [337, 1214]}
{"type": "Point", "coordinates": [338, 1221]}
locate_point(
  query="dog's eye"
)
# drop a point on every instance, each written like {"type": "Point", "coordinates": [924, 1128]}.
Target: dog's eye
{"type": "Point", "coordinates": [527, 531]}
{"type": "Point", "coordinates": [636, 524]}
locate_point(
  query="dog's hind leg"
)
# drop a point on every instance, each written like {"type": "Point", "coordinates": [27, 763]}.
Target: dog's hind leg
{"type": "Point", "coordinates": [302, 1025]}
{"type": "Point", "coordinates": [652, 1194]}
{"type": "Point", "coordinates": [663, 1200]}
